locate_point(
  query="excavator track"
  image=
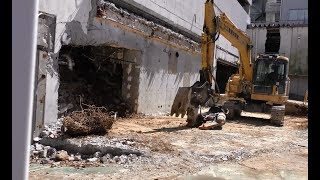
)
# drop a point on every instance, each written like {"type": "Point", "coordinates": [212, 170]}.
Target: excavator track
{"type": "Point", "coordinates": [277, 115]}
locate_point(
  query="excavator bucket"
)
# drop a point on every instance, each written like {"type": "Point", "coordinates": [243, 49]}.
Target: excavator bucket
{"type": "Point", "coordinates": [181, 101]}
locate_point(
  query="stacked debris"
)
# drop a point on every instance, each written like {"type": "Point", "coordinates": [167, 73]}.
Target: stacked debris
{"type": "Point", "coordinates": [52, 130]}
{"type": "Point", "coordinates": [49, 155]}
{"type": "Point", "coordinates": [93, 120]}
{"type": "Point", "coordinates": [84, 151]}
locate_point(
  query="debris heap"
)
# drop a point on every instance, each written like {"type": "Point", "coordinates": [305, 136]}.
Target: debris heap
{"type": "Point", "coordinates": [85, 151]}
{"type": "Point", "coordinates": [93, 120]}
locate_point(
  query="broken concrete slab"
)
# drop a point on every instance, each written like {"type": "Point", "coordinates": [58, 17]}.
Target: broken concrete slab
{"type": "Point", "coordinates": [97, 154]}
{"type": "Point", "coordinates": [62, 155]}
{"type": "Point", "coordinates": [43, 153]}
{"type": "Point", "coordinates": [45, 161]}
{"type": "Point", "coordinates": [296, 108]}
{"type": "Point", "coordinates": [52, 130]}
{"type": "Point", "coordinates": [123, 159]}
{"type": "Point", "coordinates": [89, 145]}
{"type": "Point", "coordinates": [51, 152]}
{"type": "Point", "coordinates": [35, 153]}
{"type": "Point", "coordinates": [38, 147]}
{"type": "Point", "coordinates": [149, 28]}
{"type": "Point", "coordinates": [77, 158]}
{"type": "Point", "coordinates": [36, 139]}
{"type": "Point", "coordinates": [92, 159]}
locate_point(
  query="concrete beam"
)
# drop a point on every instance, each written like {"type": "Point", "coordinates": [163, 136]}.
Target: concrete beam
{"type": "Point", "coordinates": [140, 10]}
{"type": "Point", "coordinates": [89, 145]}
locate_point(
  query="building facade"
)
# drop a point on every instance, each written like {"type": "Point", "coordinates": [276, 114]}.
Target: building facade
{"type": "Point", "coordinates": [129, 54]}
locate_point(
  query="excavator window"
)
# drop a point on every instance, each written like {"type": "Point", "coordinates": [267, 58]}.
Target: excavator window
{"type": "Point", "coordinates": [267, 73]}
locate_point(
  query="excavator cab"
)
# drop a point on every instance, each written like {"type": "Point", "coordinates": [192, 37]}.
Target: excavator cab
{"type": "Point", "coordinates": [271, 75]}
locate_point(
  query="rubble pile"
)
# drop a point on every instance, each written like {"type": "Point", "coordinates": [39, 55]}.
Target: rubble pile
{"type": "Point", "coordinates": [53, 130]}
{"type": "Point", "coordinates": [94, 120]}
{"type": "Point", "coordinates": [49, 151]}
{"type": "Point", "coordinates": [49, 155]}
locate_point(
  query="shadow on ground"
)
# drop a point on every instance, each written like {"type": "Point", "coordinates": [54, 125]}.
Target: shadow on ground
{"type": "Point", "coordinates": [251, 121]}
{"type": "Point", "coordinates": [171, 129]}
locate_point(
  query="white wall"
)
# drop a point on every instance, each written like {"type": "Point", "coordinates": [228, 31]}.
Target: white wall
{"type": "Point", "coordinates": [190, 14]}
{"type": "Point", "coordinates": [65, 11]}
{"type": "Point", "coordinates": [158, 81]}
{"type": "Point", "coordinates": [258, 37]}
{"type": "Point", "coordinates": [294, 44]}
{"type": "Point", "coordinates": [298, 87]}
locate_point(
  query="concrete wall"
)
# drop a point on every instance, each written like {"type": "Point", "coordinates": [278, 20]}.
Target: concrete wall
{"type": "Point", "coordinates": [258, 37]}
{"type": "Point", "coordinates": [65, 11]}
{"type": "Point", "coordinates": [298, 87]}
{"type": "Point", "coordinates": [235, 13]}
{"type": "Point", "coordinates": [294, 44]}
{"type": "Point", "coordinates": [158, 82]}
{"type": "Point", "coordinates": [155, 79]}
{"type": "Point", "coordinates": [161, 74]}
{"type": "Point", "coordinates": [190, 14]}
{"type": "Point", "coordinates": [130, 82]}
{"type": "Point", "coordinates": [286, 5]}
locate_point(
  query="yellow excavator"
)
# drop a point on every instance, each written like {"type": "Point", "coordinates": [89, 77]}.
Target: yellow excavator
{"type": "Point", "coordinates": [261, 85]}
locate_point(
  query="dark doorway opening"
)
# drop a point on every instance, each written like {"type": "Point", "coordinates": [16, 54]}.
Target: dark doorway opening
{"type": "Point", "coordinates": [92, 75]}
{"type": "Point", "coordinates": [224, 71]}
{"type": "Point", "coordinates": [272, 44]}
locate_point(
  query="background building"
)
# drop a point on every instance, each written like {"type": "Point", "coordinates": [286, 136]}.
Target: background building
{"type": "Point", "coordinates": [286, 34]}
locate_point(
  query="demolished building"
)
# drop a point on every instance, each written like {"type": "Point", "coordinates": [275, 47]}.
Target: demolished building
{"type": "Point", "coordinates": [129, 55]}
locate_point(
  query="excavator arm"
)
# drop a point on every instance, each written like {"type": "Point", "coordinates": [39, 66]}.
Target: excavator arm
{"type": "Point", "coordinates": [213, 27]}
{"type": "Point", "coordinates": [208, 42]}
{"type": "Point", "coordinates": [189, 99]}
{"type": "Point", "coordinates": [239, 40]}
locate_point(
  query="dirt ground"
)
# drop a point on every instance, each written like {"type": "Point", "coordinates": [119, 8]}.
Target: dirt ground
{"type": "Point", "coordinates": [246, 148]}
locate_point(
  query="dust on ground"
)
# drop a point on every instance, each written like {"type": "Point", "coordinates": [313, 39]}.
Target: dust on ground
{"type": "Point", "coordinates": [246, 148]}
